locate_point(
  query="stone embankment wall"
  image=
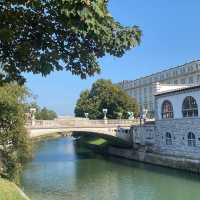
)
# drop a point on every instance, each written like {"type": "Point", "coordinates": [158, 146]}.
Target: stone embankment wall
{"type": "Point", "coordinates": [179, 130]}
{"type": "Point", "coordinates": [144, 134]}
{"type": "Point", "coordinates": [125, 134]}
{"type": "Point", "coordinates": [156, 159]}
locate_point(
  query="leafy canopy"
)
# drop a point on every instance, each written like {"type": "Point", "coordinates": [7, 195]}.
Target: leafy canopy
{"type": "Point", "coordinates": [104, 94]}
{"type": "Point", "coordinates": [42, 36]}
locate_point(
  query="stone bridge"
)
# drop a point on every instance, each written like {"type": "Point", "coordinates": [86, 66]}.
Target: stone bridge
{"type": "Point", "coordinates": [67, 127]}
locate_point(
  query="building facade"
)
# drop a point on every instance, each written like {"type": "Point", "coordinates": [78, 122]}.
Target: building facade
{"type": "Point", "coordinates": [178, 122]}
{"type": "Point", "coordinates": [176, 130]}
{"type": "Point", "coordinates": [143, 89]}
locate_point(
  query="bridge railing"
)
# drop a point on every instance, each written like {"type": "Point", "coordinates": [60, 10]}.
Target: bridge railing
{"type": "Point", "coordinates": [80, 123]}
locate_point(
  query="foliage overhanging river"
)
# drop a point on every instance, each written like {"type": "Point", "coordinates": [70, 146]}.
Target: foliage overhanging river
{"type": "Point", "coordinates": [62, 170]}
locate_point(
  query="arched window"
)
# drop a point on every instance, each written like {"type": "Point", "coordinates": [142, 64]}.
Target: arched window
{"type": "Point", "coordinates": [167, 110]}
{"type": "Point", "coordinates": [168, 139]}
{"type": "Point", "coordinates": [190, 108]}
{"type": "Point", "coordinates": [191, 139]}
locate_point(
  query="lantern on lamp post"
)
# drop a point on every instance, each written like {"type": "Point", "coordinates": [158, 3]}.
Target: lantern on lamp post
{"type": "Point", "coordinates": [86, 115]}
{"type": "Point", "coordinates": [105, 111]}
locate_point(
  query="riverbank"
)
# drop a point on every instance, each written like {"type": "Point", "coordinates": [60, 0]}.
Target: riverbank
{"type": "Point", "coordinates": [9, 191]}
{"type": "Point", "coordinates": [181, 163]}
{"type": "Point", "coordinates": [47, 136]}
{"type": "Point", "coordinates": [95, 141]}
{"type": "Point", "coordinates": [111, 149]}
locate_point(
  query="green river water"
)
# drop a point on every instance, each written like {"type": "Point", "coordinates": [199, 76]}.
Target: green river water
{"type": "Point", "coordinates": [63, 170]}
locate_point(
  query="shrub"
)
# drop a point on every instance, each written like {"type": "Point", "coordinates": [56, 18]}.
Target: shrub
{"type": "Point", "coordinates": [14, 142]}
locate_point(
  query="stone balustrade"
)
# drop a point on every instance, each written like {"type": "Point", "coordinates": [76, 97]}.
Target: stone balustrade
{"type": "Point", "coordinates": [78, 123]}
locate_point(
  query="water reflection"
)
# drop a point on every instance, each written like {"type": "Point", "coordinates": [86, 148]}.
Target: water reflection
{"type": "Point", "coordinates": [63, 171]}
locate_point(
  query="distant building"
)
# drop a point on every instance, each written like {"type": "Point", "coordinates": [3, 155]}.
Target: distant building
{"type": "Point", "coordinates": [143, 89]}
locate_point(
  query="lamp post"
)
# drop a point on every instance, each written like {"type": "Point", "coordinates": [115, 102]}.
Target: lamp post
{"type": "Point", "coordinates": [32, 113]}
{"type": "Point", "coordinates": [86, 115]}
{"type": "Point", "coordinates": [120, 115]}
{"type": "Point", "coordinates": [144, 114]}
{"type": "Point", "coordinates": [105, 111]}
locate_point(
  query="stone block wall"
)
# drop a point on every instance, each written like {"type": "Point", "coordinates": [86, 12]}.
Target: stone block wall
{"type": "Point", "coordinates": [124, 134]}
{"type": "Point", "coordinates": [144, 134]}
{"type": "Point", "coordinates": [179, 129]}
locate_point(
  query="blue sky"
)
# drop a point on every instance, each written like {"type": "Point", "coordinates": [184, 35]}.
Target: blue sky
{"type": "Point", "coordinates": [171, 36]}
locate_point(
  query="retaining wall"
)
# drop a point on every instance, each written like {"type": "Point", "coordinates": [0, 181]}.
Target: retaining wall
{"type": "Point", "coordinates": [157, 159]}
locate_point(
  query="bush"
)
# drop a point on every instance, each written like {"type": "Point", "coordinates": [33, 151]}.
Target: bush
{"type": "Point", "coordinates": [14, 141]}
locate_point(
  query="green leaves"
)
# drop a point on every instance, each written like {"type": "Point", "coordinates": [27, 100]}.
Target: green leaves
{"type": "Point", "coordinates": [104, 94]}
{"type": "Point", "coordinates": [72, 32]}
{"type": "Point", "coordinates": [45, 114]}
{"type": "Point", "coordinates": [14, 142]}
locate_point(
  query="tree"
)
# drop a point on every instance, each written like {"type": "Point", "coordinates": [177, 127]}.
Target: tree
{"type": "Point", "coordinates": [44, 36]}
{"type": "Point", "coordinates": [45, 114]}
{"type": "Point", "coordinates": [104, 94]}
{"type": "Point", "coordinates": [41, 113]}
{"type": "Point", "coordinates": [14, 142]}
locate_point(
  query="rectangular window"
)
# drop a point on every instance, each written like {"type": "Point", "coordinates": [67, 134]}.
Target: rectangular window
{"type": "Point", "coordinates": [155, 79]}
{"type": "Point", "coordinates": [169, 82]}
{"type": "Point", "coordinates": [198, 78]}
{"type": "Point", "coordinates": [183, 81]}
{"type": "Point", "coordinates": [197, 66]}
{"type": "Point", "coordinates": [150, 90]}
{"type": "Point", "coordinates": [175, 82]}
{"type": "Point", "coordinates": [190, 79]}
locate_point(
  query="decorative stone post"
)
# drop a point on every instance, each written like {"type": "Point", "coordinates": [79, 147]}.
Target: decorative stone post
{"type": "Point", "coordinates": [32, 113]}
{"type": "Point", "coordinates": [120, 115]}
{"type": "Point", "coordinates": [144, 114]}
{"type": "Point", "coordinates": [105, 111]}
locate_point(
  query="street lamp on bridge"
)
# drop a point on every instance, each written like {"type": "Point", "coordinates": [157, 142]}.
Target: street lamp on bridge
{"type": "Point", "coordinates": [86, 115]}
{"type": "Point", "coordinates": [105, 111]}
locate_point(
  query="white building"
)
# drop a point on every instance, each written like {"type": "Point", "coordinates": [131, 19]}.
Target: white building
{"type": "Point", "coordinates": [176, 131]}
{"type": "Point", "coordinates": [143, 89]}
{"type": "Point", "coordinates": [178, 122]}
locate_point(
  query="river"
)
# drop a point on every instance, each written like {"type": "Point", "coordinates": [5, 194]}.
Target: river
{"type": "Point", "coordinates": [63, 170]}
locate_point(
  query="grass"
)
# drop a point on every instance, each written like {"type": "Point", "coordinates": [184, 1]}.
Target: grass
{"type": "Point", "coordinates": [104, 142]}
{"type": "Point", "coordinates": [46, 137]}
{"type": "Point", "coordinates": [9, 191]}
{"type": "Point", "coordinates": [98, 141]}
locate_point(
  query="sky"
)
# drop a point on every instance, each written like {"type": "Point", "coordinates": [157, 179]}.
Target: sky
{"type": "Point", "coordinates": [171, 37]}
